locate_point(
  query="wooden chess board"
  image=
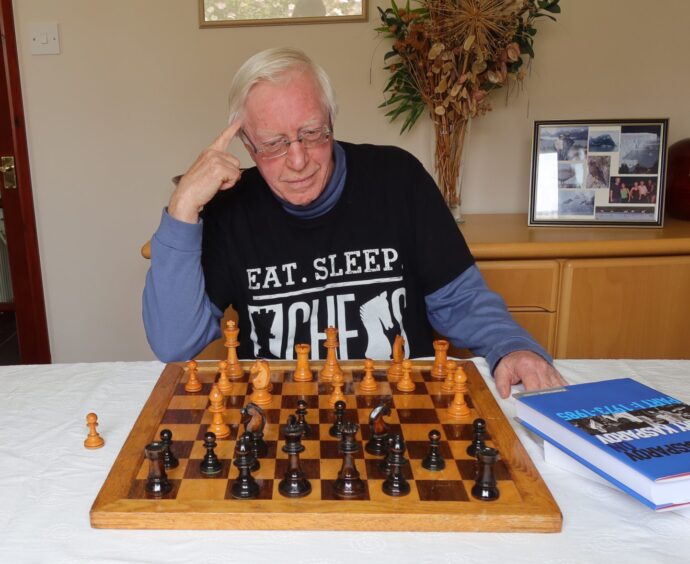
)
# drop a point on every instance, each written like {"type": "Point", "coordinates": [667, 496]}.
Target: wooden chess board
{"type": "Point", "coordinates": [438, 501]}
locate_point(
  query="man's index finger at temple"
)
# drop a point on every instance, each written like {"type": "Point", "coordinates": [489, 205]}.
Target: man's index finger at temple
{"type": "Point", "coordinates": [223, 140]}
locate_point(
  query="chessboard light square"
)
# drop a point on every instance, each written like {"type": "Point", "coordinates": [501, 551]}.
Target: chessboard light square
{"type": "Point", "coordinates": [266, 471]}
{"type": "Point", "coordinates": [459, 450]}
{"type": "Point", "coordinates": [450, 472]}
{"type": "Point", "coordinates": [413, 401]}
{"type": "Point", "coordinates": [188, 402]}
{"type": "Point", "coordinates": [178, 472]}
{"type": "Point", "coordinates": [211, 489]}
{"type": "Point", "coordinates": [300, 388]}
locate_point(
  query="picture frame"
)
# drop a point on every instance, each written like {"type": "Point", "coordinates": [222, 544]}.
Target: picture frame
{"type": "Point", "coordinates": [230, 13]}
{"type": "Point", "coordinates": [598, 172]}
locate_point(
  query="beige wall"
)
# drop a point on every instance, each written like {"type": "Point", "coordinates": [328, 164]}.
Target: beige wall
{"type": "Point", "coordinates": [139, 90]}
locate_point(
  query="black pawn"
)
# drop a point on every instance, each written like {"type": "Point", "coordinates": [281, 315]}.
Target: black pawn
{"type": "Point", "coordinates": [245, 486]}
{"type": "Point", "coordinates": [396, 485]}
{"type": "Point", "coordinates": [485, 488]}
{"type": "Point", "coordinates": [433, 460]}
{"type": "Point", "coordinates": [210, 465]}
{"type": "Point", "coordinates": [478, 437]}
{"type": "Point", "coordinates": [157, 481]}
{"type": "Point", "coordinates": [336, 428]}
{"type": "Point", "coordinates": [169, 459]}
{"type": "Point", "coordinates": [349, 485]}
{"type": "Point", "coordinates": [302, 417]}
{"type": "Point", "coordinates": [294, 484]}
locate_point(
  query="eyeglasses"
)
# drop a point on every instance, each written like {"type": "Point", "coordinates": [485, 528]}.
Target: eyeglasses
{"type": "Point", "coordinates": [278, 147]}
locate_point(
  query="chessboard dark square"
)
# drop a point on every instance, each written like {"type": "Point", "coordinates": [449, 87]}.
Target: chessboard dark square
{"type": "Point", "coordinates": [328, 492]}
{"type": "Point", "coordinates": [193, 470]}
{"type": "Point", "coordinates": [441, 490]}
{"type": "Point", "coordinates": [290, 402]}
{"type": "Point", "coordinates": [427, 377]}
{"type": "Point", "coordinates": [461, 432]}
{"type": "Point", "coordinates": [181, 449]}
{"type": "Point", "coordinates": [183, 416]}
{"type": "Point", "coordinates": [138, 490]}
{"type": "Point", "coordinates": [467, 468]}
{"type": "Point", "coordinates": [376, 471]}
{"type": "Point", "coordinates": [310, 466]}
{"type": "Point", "coordinates": [419, 449]}
{"type": "Point", "coordinates": [441, 401]}
{"type": "Point", "coordinates": [265, 489]}
{"type": "Point", "coordinates": [418, 416]}
{"type": "Point", "coordinates": [329, 449]}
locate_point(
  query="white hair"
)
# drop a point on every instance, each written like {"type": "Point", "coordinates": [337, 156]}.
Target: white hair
{"type": "Point", "coordinates": [272, 65]}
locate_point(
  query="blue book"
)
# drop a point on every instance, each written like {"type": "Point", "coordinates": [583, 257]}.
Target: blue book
{"type": "Point", "coordinates": [634, 436]}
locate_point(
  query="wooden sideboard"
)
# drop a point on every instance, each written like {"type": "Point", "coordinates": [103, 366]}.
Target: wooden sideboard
{"type": "Point", "coordinates": [590, 292]}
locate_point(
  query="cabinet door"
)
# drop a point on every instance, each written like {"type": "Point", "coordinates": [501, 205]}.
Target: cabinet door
{"type": "Point", "coordinates": [529, 284]}
{"type": "Point", "coordinates": [625, 308]}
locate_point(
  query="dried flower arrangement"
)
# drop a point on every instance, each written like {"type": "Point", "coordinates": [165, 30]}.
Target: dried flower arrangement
{"type": "Point", "coordinates": [447, 56]}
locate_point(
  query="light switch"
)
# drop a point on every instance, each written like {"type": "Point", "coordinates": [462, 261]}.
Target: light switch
{"type": "Point", "coordinates": [45, 39]}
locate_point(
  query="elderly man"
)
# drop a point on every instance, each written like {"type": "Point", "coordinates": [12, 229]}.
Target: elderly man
{"type": "Point", "coordinates": [319, 233]}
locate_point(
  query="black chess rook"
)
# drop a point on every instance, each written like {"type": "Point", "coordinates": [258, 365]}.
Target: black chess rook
{"type": "Point", "coordinates": [485, 488]}
{"type": "Point", "coordinates": [157, 481]}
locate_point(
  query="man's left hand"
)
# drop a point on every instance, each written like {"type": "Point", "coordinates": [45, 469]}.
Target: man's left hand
{"type": "Point", "coordinates": [526, 367]}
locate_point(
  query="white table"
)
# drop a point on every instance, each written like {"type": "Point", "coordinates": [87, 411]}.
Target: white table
{"type": "Point", "coordinates": [48, 482]}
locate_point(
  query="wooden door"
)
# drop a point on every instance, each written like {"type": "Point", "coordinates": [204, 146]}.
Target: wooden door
{"type": "Point", "coordinates": [17, 203]}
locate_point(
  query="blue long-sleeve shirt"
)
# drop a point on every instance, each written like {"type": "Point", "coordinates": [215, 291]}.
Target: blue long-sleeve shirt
{"type": "Point", "coordinates": [180, 319]}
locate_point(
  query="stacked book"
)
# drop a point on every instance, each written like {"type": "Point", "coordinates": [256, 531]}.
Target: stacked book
{"type": "Point", "coordinates": [630, 434]}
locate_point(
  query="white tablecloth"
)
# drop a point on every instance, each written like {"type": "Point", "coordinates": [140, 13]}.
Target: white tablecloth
{"type": "Point", "coordinates": [48, 482]}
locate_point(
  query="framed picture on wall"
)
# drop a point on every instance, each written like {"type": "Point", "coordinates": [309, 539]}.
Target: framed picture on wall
{"type": "Point", "coordinates": [227, 13]}
{"type": "Point", "coordinates": [598, 172]}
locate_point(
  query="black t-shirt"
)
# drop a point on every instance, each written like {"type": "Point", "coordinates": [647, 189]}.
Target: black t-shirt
{"type": "Point", "coordinates": [363, 267]}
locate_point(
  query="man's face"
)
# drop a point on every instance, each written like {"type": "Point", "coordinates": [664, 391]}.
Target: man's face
{"type": "Point", "coordinates": [283, 109]}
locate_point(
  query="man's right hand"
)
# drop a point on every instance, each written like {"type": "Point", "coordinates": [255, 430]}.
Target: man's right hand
{"type": "Point", "coordinates": [213, 170]}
